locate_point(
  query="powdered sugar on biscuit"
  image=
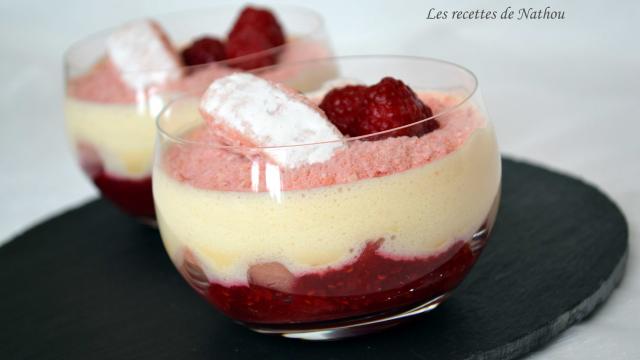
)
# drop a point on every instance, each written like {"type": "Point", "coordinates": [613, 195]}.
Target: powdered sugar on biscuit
{"type": "Point", "coordinates": [143, 55]}
{"type": "Point", "coordinates": [249, 111]}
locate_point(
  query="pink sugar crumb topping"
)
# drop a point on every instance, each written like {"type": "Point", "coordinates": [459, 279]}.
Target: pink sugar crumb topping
{"type": "Point", "coordinates": [102, 83]}
{"type": "Point", "coordinates": [212, 167]}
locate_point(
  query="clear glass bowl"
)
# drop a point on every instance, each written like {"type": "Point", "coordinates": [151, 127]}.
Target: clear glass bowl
{"type": "Point", "coordinates": [112, 127]}
{"type": "Point", "coordinates": [382, 231]}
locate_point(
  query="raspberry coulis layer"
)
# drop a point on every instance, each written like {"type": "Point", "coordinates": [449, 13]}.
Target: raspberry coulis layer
{"type": "Point", "coordinates": [372, 284]}
{"type": "Point", "coordinates": [134, 196]}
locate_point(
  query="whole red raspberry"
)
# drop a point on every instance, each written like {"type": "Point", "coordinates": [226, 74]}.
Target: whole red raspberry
{"type": "Point", "coordinates": [246, 43]}
{"type": "Point", "coordinates": [261, 21]}
{"type": "Point", "coordinates": [343, 106]}
{"type": "Point", "coordinates": [204, 50]}
{"type": "Point", "coordinates": [390, 104]}
{"type": "Point", "coordinates": [254, 31]}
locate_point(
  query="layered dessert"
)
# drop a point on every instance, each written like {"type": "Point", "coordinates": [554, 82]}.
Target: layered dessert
{"type": "Point", "coordinates": [111, 105]}
{"type": "Point", "coordinates": [364, 201]}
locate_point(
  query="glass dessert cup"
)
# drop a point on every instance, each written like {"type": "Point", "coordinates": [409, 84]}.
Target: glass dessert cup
{"type": "Point", "coordinates": [111, 126]}
{"type": "Point", "coordinates": [382, 231]}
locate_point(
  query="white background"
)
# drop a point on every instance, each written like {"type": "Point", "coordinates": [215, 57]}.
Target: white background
{"type": "Point", "coordinates": [561, 93]}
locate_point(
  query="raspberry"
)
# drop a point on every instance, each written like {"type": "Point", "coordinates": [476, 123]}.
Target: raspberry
{"type": "Point", "coordinates": [360, 110]}
{"type": "Point", "coordinates": [250, 42]}
{"type": "Point", "coordinates": [343, 105]}
{"type": "Point", "coordinates": [254, 31]}
{"type": "Point", "coordinates": [390, 104]}
{"type": "Point", "coordinates": [204, 50]}
{"type": "Point", "coordinates": [262, 22]}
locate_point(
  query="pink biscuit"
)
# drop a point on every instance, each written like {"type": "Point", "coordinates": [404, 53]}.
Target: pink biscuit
{"type": "Point", "coordinates": [143, 55]}
{"type": "Point", "coordinates": [250, 112]}
{"type": "Point", "coordinates": [271, 275]}
{"type": "Point", "coordinates": [215, 168]}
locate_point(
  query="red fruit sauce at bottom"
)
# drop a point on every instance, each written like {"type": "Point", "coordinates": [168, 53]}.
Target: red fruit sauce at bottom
{"type": "Point", "coordinates": [371, 284]}
{"type": "Point", "coordinates": [134, 196]}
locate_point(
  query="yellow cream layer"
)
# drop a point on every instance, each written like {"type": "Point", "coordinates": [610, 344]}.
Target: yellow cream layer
{"type": "Point", "coordinates": [122, 134]}
{"type": "Point", "coordinates": [417, 212]}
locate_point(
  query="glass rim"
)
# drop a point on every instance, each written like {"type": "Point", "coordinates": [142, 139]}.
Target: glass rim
{"type": "Point", "coordinates": [315, 29]}
{"type": "Point", "coordinates": [464, 100]}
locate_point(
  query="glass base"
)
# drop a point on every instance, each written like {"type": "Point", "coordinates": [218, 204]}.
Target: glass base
{"type": "Point", "coordinates": [351, 328]}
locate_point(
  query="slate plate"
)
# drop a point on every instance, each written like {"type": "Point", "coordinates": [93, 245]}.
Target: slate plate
{"type": "Point", "coordinates": [94, 284]}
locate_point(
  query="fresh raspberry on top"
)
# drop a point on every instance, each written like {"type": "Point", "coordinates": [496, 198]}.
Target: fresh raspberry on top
{"type": "Point", "coordinates": [261, 21]}
{"type": "Point", "coordinates": [361, 110]}
{"type": "Point", "coordinates": [390, 104]}
{"type": "Point", "coordinates": [204, 50]}
{"type": "Point", "coordinates": [343, 106]}
{"type": "Point", "coordinates": [254, 31]}
{"type": "Point", "coordinates": [246, 43]}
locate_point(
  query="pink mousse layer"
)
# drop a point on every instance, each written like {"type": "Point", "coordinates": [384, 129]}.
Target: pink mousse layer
{"type": "Point", "coordinates": [217, 168]}
{"type": "Point", "coordinates": [103, 83]}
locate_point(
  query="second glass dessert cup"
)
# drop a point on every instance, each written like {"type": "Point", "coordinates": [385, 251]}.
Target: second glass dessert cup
{"type": "Point", "coordinates": [381, 232]}
{"type": "Point", "coordinates": [111, 126]}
